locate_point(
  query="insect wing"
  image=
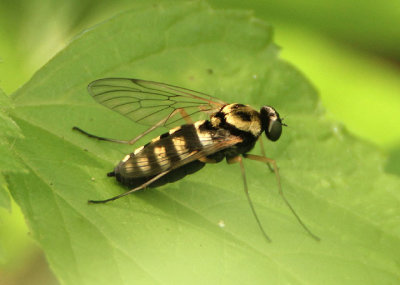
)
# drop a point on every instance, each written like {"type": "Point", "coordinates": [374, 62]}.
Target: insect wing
{"type": "Point", "coordinates": [148, 102]}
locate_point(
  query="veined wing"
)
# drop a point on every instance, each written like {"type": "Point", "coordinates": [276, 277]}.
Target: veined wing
{"type": "Point", "coordinates": [149, 102]}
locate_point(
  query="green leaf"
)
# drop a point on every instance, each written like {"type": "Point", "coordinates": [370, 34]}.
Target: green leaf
{"type": "Point", "coordinates": [350, 82]}
{"type": "Point", "coordinates": [199, 229]}
{"type": "Point", "coordinates": [9, 131]}
{"type": "Point", "coordinates": [348, 21]}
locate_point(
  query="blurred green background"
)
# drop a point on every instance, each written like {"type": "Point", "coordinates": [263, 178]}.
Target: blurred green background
{"type": "Point", "coordinates": [349, 50]}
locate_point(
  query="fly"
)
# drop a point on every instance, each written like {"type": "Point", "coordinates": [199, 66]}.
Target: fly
{"type": "Point", "coordinates": [230, 132]}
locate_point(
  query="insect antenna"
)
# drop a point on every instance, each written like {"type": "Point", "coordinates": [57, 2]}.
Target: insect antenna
{"type": "Point", "coordinates": [246, 191]}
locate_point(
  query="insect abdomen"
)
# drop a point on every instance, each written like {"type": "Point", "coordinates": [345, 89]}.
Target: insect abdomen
{"type": "Point", "coordinates": [173, 176]}
{"type": "Point", "coordinates": [162, 154]}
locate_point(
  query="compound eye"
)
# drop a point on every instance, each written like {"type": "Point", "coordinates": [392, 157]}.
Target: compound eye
{"type": "Point", "coordinates": [274, 130]}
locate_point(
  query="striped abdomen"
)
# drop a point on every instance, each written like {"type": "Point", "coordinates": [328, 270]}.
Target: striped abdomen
{"type": "Point", "coordinates": [166, 152]}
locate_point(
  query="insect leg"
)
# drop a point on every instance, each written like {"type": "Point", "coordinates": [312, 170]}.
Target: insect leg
{"type": "Point", "coordinates": [246, 191]}
{"type": "Point", "coordinates": [182, 112]}
{"type": "Point", "coordinates": [263, 153]}
{"type": "Point", "coordinates": [144, 185]}
{"type": "Point", "coordinates": [99, 138]}
{"type": "Point", "coordinates": [185, 116]}
{"type": "Point", "coordinates": [278, 179]}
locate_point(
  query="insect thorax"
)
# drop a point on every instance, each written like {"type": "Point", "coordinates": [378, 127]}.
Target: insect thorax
{"type": "Point", "coordinates": [242, 121]}
{"type": "Point", "coordinates": [239, 119]}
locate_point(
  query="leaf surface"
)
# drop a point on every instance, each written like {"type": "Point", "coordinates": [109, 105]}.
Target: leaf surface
{"type": "Point", "coordinates": [199, 229]}
{"type": "Point", "coordinates": [9, 131]}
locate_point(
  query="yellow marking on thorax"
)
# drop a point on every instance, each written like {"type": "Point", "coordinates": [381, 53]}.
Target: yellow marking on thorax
{"type": "Point", "coordinates": [253, 126]}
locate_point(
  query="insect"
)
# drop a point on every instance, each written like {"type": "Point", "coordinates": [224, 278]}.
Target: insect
{"type": "Point", "coordinates": [230, 132]}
